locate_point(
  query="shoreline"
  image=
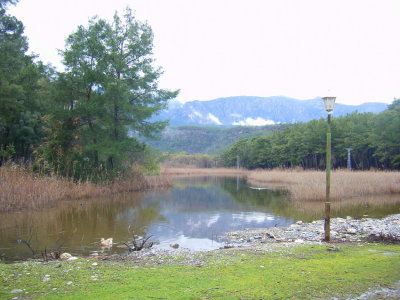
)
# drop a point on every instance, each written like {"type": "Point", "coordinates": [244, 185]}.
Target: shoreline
{"type": "Point", "coordinates": [255, 254]}
{"type": "Point", "coordinates": [343, 231]}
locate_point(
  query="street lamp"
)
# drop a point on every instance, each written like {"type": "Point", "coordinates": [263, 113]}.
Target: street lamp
{"type": "Point", "coordinates": [329, 103]}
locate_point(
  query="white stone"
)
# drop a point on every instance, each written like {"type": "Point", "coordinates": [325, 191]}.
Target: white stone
{"type": "Point", "coordinates": [351, 231]}
{"type": "Point", "coordinates": [65, 256]}
{"type": "Point", "coordinates": [72, 258]}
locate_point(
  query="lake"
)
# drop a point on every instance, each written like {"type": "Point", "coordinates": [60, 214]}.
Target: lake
{"type": "Point", "coordinates": [195, 213]}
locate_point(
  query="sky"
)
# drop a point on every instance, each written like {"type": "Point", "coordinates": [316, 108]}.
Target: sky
{"type": "Point", "coordinates": [220, 48]}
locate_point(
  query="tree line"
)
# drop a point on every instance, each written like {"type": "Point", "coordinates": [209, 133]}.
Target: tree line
{"type": "Point", "coordinates": [82, 122]}
{"type": "Point", "coordinates": [374, 139]}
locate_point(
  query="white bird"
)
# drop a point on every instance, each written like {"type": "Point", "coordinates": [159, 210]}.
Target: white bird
{"type": "Point", "coordinates": [259, 188]}
{"type": "Point", "coordinates": [106, 243]}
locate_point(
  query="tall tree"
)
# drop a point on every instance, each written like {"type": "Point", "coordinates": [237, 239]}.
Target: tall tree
{"type": "Point", "coordinates": [109, 90]}
{"type": "Point", "coordinates": [20, 109]}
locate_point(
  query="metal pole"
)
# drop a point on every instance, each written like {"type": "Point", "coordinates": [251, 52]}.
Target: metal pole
{"type": "Point", "coordinates": [327, 224]}
{"type": "Point", "coordinates": [349, 158]}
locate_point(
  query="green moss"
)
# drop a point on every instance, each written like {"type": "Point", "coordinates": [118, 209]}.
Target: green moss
{"type": "Point", "coordinates": [298, 272]}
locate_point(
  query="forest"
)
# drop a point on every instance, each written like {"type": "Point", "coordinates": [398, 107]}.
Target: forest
{"type": "Point", "coordinates": [77, 123]}
{"type": "Point", "coordinates": [373, 138]}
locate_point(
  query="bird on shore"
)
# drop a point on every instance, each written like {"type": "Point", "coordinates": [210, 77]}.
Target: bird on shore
{"type": "Point", "coordinates": [106, 242]}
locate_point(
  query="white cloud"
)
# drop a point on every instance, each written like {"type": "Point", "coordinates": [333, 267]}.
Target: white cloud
{"type": "Point", "coordinates": [214, 119]}
{"type": "Point", "coordinates": [254, 122]}
{"type": "Point", "coordinates": [195, 114]}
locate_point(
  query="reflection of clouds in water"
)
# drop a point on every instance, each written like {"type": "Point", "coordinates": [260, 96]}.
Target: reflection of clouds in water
{"type": "Point", "coordinates": [253, 217]}
{"type": "Point", "coordinates": [203, 220]}
{"type": "Point", "coordinates": [213, 219]}
{"type": "Point", "coordinates": [189, 243]}
{"type": "Point", "coordinates": [191, 223]}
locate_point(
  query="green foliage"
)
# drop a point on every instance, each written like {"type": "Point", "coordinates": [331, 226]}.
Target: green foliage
{"type": "Point", "coordinates": [375, 140]}
{"type": "Point", "coordinates": [206, 140]}
{"type": "Point", "coordinates": [387, 137]}
{"type": "Point", "coordinates": [194, 160]}
{"type": "Point", "coordinates": [21, 106]}
{"type": "Point", "coordinates": [109, 89]}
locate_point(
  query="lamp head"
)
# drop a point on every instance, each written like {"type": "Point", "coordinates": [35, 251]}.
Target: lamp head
{"type": "Point", "coordinates": [329, 103]}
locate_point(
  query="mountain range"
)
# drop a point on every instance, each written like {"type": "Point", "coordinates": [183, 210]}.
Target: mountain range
{"type": "Point", "coordinates": [256, 111]}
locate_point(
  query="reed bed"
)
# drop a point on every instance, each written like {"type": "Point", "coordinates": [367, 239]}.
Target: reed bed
{"type": "Point", "coordinates": [194, 171]}
{"type": "Point", "coordinates": [21, 189]}
{"type": "Point", "coordinates": [310, 185]}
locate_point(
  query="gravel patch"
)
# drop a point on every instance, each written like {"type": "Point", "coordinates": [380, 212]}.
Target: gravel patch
{"type": "Point", "coordinates": [342, 230]}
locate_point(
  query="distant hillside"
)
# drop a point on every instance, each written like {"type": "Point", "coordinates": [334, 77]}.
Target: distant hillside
{"type": "Point", "coordinates": [206, 140]}
{"type": "Point", "coordinates": [246, 110]}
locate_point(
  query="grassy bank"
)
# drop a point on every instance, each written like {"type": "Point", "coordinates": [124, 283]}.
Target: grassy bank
{"type": "Point", "coordinates": [21, 189]}
{"type": "Point", "coordinates": [302, 272]}
{"type": "Point", "coordinates": [310, 185]}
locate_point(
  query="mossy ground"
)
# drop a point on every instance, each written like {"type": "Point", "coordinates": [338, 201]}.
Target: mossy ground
{"type": "Point", "coordinates": [301, 272]}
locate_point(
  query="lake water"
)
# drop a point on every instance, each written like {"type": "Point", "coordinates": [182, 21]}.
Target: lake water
{"type": "Point", "coordinates": [195, 214]}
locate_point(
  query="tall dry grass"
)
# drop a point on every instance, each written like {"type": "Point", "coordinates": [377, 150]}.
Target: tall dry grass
{"type": "Point", "coordinates": [21, 189]}
{"type": "Point", "coordinates": [193, 171]}
{"type": "Point", "coordinates": [310, 185]}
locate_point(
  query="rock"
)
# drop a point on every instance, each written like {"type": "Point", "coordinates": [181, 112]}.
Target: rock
{"type": "Point", "coordinates": [351, 231]}
{"type": "Point", "coordinates": [16, 291]}
{"type": "Point", "coordinates": [299, 222]}
{"type": "Point", "coordinates": [271, 236]}
{"type": "Point", "coordinates": [72, 258]}
{"type": "Point", "coordinates": [94, 264]}
{"type": "Point", "coordinates": [348, 229]}
{"type": "Point", "coordinates": [69, 282]}
{"type": "Point", "coordinates": [46, 278]}
{"type": "Point", "coordinates": [65, 256]}
{"type": "Point", "coordinates": [175, 245]}
{"type": "Point", "coordinates": [332, 248]}
{"type": "Point", "coordinates": [299, 241]}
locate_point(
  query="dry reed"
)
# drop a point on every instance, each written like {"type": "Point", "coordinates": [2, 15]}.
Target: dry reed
{"type": "Point", "coordinates": [193, 171]}
{"type": "Point", "coordinates": [310, 185]}
{"type": "Point", "coordinates": [21, 189]}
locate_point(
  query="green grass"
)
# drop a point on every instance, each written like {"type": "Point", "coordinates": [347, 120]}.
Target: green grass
{"type": "Point", "coordinates": [304, 272]}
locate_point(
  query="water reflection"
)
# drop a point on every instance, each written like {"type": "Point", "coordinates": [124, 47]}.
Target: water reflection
{"type": "Point", "coordinates": [199, 211]}
{"type": "Point", "coordinates": [194, 214]}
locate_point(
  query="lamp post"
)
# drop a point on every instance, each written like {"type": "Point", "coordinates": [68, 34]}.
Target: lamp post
{"type": "Point", "coordinates": [329, 103]}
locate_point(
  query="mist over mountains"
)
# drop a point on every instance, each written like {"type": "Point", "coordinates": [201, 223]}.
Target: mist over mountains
{"type": "Point", "coordinates": [256, 111]}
